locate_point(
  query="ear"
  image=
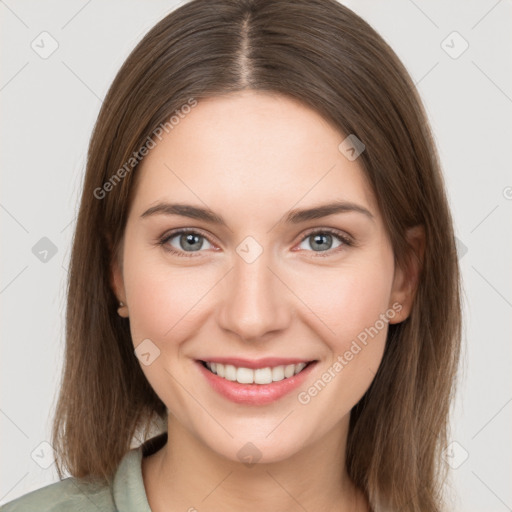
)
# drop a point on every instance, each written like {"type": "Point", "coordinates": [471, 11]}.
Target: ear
{"type": "Point", "coordinates": [407, 275]}
{"type": "Point", "coordinates": [116, 277]}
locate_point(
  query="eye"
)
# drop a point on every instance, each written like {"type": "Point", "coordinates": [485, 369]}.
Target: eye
{"type": "Point", "coordinates": [322, 241]}
{"type": "Point", "coordinates": [185, 241]}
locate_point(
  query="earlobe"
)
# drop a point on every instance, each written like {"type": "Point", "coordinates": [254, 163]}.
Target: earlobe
{"type": "Point", "coordinates": [407, 275]}
{"type": "Point", "coordinates": [122, 310]}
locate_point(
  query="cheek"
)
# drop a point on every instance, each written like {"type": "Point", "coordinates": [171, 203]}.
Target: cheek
{"type": "Point", "coordinates": [355, 307]}
{"type": "Point", "coordinates": [359, 307]}
{"type": "Point", "coordinates": [350, 298]}
{"type": "Point", "coordinates": [163, 299]}
{"type": "Point", "coordinates": [164, 304]}
{"type": "Point", "coordinates": [352, 309]}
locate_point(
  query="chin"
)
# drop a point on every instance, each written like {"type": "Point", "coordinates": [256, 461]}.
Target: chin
{"type": "Point", "coordinates": [258, 445]}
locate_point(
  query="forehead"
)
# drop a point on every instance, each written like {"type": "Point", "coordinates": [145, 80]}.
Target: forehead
{"type": "Point", "coordinates": [251, 151]}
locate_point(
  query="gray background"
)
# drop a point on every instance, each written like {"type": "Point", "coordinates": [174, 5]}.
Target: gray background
{"type": "Point", "coordinates": [48, 109]}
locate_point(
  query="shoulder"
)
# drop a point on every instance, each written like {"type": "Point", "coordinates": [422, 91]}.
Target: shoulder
{"type": "Point", "coordinates": [126, 491]}
{"type": "Point", "coordinates": [68, 494]}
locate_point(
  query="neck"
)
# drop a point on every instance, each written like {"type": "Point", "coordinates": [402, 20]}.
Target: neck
{"type": "Point", "coordinates": [185, 474]}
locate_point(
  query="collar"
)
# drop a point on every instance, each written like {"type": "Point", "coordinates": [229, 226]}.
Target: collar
{"type": "Point", "coordinates": [128, 486]}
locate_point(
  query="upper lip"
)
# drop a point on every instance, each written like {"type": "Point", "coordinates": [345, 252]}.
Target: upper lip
{"type": "Point", "coordinates": [254, 364]}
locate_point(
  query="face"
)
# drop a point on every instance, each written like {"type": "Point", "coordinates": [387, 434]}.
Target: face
{"type": "Point", "coordinates": [257, 286]}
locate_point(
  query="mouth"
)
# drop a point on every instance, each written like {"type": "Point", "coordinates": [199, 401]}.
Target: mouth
{"type": "Point", "coordinates": [255, 382]}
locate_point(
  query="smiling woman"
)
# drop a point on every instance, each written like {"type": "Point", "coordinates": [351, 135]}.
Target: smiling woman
{"type": "Point", "coordinates": [274, 285]}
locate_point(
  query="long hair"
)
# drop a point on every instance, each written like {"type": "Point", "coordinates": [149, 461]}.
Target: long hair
{"type": "Point", "coordinates": [322, 54]}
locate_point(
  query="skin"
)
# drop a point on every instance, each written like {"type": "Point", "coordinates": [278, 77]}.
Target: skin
{"type": "Point", "coordinates": [251, 157]}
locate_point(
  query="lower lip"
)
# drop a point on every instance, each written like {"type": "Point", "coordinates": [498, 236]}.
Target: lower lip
{"type": "Point", "coordinates": [255, 394]}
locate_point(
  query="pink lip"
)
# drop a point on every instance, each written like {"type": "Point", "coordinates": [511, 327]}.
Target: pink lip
{"type": "Point", "coordinates": [254, 394]}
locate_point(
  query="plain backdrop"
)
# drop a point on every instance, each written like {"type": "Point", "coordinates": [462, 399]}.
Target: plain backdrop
{"type": "Point", "coordinates": [459, 55]}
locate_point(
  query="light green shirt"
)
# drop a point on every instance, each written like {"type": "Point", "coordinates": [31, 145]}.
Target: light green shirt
{"type": "Point", "coordinates": [126, 494]}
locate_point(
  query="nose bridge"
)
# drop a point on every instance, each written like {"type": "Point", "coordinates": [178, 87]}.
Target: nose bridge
{"type": "Point", "coordinates": [255, 301]}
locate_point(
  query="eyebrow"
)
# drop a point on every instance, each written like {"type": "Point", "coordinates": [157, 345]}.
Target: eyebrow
{"type": "Point", "coordinates": [293, 217]}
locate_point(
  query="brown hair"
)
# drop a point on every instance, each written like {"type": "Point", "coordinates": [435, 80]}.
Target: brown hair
{"type": "Point", "coordinates": [321, 53]}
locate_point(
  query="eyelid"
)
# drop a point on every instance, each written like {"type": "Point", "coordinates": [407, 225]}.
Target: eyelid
{"type": "Point", "coordinates": [342, 235]}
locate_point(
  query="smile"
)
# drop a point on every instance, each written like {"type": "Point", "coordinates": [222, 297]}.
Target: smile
{"type": "Point", "coordinates": [259, 376]}
{"type": "Point", "coordinates": [267, 381]}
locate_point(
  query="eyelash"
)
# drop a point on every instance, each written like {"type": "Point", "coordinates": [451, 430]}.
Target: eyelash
{"type": "Point", "coordinates": [346, 241]}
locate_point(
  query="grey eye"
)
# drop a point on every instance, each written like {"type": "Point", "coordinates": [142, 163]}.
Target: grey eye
{"type": "Point", "coordinates": [189, 242]}
{"type": "Point", "coordinates": [321, 241]}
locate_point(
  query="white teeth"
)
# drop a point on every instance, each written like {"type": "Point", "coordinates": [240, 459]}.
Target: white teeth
{"type": "Point", "coordinates": [259, 376]}
{"type": "Point", "coordinates": [299, 367]}
{"type": "Point", "coordinates": [263, 376]}
{"type": "Point", "coordinates": [230, 372]}
{"type": "Point", "coordinates": [245, 375]}
{"type": "Point", "coordinates": [278, 373]}
{"type": "Point", "coordinates": [289, 370]}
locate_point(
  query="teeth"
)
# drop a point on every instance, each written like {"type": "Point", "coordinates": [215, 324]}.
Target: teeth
{"type": "Point", "coordinates": [245, 375]}
{"type": "Point", "coordinates": [278, 373]}
{"type": "Point", "coordinates": [230, 372]}
{"type": "Point", "coordinates": [299, 367]}
{"type": "Point", "coordinates": [263, 376]}
{"type": "Point", "coordinates": [289, 371]}
{"type": "Point", "coordinates": [259, 376]}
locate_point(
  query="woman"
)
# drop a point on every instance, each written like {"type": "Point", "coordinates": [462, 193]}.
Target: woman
{"type": "Point", "coordinates": [263, 274]}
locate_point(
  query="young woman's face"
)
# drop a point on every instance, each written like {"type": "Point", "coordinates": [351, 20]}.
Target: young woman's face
{"type": "Point", "coordinates": [257, 285]}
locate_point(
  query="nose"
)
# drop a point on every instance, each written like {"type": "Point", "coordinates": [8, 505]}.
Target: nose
{"type": "Point", "coordinates": [256, 302]}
